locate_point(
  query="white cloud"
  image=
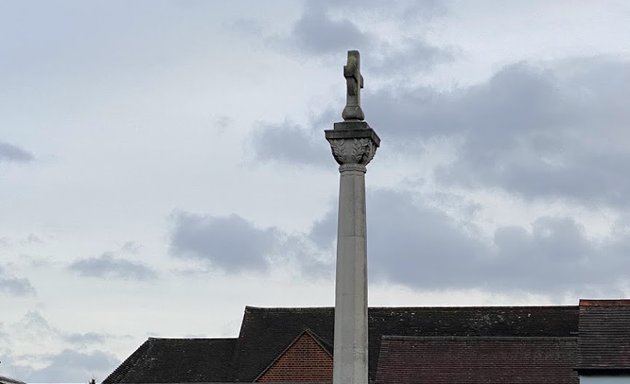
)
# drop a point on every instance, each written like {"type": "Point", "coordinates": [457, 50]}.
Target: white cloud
{"type": "Point", "coordinates": [501, 126]}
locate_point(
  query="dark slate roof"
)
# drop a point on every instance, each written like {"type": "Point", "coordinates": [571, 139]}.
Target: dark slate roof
{"type": "Point", "coordinates": [266, 332]}
{"type": "Point", "coordinates": [176, 361]}
{"type": "Point", "coordinates": [604, 342]}
{"type": "Point", "coordinates": [8, 380]}
{"type": "Point", "coordinates": [477, 360]}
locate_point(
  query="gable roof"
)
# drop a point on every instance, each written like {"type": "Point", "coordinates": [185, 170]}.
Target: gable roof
{"type": "Point", "coordinates": [176, 361]}
{"type": "Point", "coordinates": [604, 342]}
{"type": "Point", "coordinates": [306, 357]}
{"type": "Point", "coordinates": [477, 360]}
{"type": "Point", "coordinates": [265, 332]}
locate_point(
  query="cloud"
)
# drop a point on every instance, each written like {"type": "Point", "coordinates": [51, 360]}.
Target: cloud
{"type": "Point", "coordinates": [108, 266]}
{"type": "Point", "coordinates": [417, 245]}
{"type": "Point", "coordinates": [33, 325]}
{"type": "Point", "coordinates": [34, 320]}
{"type": "Point", "coordinates": [233, 244]}
{"type": "Point", "coordinates": [229, 243]}
{"type": "Point", "coordinates": [422, 247]}
{"type": "Point", "coordinates": [405, 9]}
{"type": "Point", "coordinates": [15, 286]}
{"type": "Point", "coordinates": [407, 58]}
{"type": "Point", "coordinates": [320, 34]}
{"type": "Point", "coordinates": [68, 366]}
{"type": "Point", "coordinates": [324, 231]}
{"type": "Point", "coordinates": [315, 32]}
{"type": "Point", "coordinates": [537, 133]}
{"type": "Point", "coordinates": [11, 153]}
{"type": "Point", "coordinates": [327, 28]}
{"type": "Point", "coordinates": [289, 143]}
{"type": "Point", "coordinates": [130, 247]}
{"type": "Point", "coordinates": [83, 339]}
{"type": "Point", "coordinates": [62, 356]}
{"type": "Point", "coordinates": [558, 132]}
{"type": "Point", "coordinates": [32, 239]}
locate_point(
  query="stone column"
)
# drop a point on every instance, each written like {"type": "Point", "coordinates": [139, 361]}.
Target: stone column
{"type": "Point", "coordinates": [353, 145]}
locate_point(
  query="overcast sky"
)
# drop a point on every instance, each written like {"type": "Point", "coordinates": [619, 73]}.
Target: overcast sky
{"type": "Point", "coordinates": [163, 163]}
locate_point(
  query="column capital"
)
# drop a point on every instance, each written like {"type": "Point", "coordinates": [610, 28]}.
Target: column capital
{"type": "Point", "coordinates": [353, 142]}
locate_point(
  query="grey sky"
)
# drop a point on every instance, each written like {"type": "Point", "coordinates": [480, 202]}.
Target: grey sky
{"type": "Point", "coordinates": [161, 159]}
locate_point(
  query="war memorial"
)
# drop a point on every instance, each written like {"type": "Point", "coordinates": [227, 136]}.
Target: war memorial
{"type": "Point", "coordinates": [353, 344]}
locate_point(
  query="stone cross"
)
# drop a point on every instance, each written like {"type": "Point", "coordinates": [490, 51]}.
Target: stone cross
{"type": "Point", "coordinates": [353, 144]}
{"type": "Point", "coordinates": [354, 83]}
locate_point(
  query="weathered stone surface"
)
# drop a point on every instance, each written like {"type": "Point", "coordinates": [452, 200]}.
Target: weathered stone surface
{"type": "Point", "coordinates": [353, 144]}
{"type": "Point", "coordinates": [353, 151]}
{"type": "Point", "coordinates": [350, 365]}
{"type": "Point", "coordinates": [354, 83]}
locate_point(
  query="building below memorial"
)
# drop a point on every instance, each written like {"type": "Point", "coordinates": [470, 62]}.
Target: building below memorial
{"type": "Point", "coordinates": [588, 343]}
{"type": "Point", "coordinates": [8, 380]}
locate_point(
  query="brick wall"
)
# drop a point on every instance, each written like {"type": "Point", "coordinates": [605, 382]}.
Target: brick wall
{"type": "Point", "coordinates": [305, 361]}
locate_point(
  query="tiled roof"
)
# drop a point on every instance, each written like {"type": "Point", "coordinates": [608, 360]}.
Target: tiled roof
{"type": "Point", "coordinates": [266, 332]}
{"type": "Point", "coordinates": [477, 360]}
{"type": "Point", "coordinates": [176, 361]}
{"type": "Point", "coordinates": [604, 342]}
{"type": "Point", "coordinates": [8, 380]}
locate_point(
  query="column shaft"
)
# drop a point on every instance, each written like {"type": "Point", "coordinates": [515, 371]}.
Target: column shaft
{"type": "Point", "coordinates": [351, 328]}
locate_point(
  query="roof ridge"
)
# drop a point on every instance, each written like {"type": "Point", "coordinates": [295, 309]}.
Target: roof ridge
{"type": "Point", "coordinates": [499, 338]}
{"type": "Point", "coordinates": [249, 308]}
{"type": "Point", "coordinates": [253, 308]}
{"type": "Point", "coordinates": [192, 338]}
{"type": "Point", "coordinates": [480, 307]}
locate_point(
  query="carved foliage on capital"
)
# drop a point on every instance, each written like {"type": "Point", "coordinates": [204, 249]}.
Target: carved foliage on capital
{"type": "Point", "coordinates": [353, 151]}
